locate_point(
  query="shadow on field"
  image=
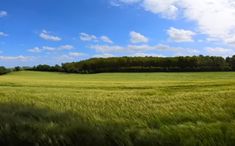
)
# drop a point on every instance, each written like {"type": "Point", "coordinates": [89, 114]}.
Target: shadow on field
{"type": "Point", "coordinates": [31, 125]}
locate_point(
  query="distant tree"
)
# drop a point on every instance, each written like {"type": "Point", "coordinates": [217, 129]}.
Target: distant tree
{"type": "Point", "coordinates": [231, 62]}
{"type": "Point", "coordinates": [17, 68]}
{"type": "Point", "coordinates": [44, 67]}
{"type": "Point", "coordinates": [4, 70]}
{"type": "Point", "coordinates": [57, 68]}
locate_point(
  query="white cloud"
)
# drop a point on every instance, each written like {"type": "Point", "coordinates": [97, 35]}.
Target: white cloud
{"type": "Point", "coordinates": [129, 48]}
{"type": "Point", "coordinates": [72, 56]}
{"type": "Point", "coordinates": [66, 47]}
{"type": "Point", "coordinates": [119, 2]}
{"type": "Point", "coordinates": [164, 7]}
{"type": "Point", "coordinates": [129, 1]}
{"type": "Point", "coordinates": [3, 13]}
{"type": "Point", "coordinates": [187, 52]}
{"type": "Point", "coordinates": [106, 55]}
{"type": "Point", "coordinates": [180, 35]}
{"type": "Point", "coordinates": [107, 48]}
{"type": "Point", "coordinates": [142, 48]}
{"type": "Point", "coordinates": [3, 34]}
{"type": "Point", "coordinates": [91, 37]}
{"type": "Point", "coordinates": [87, 37]}
{"type": "Point", "coordinates": [146, 54]}
{"type": "Point", "coordinates": [138, 38]}
{"type": "Point", "coordinates": [209, 39]}
{"type": "Point", "coordinates": [50, 49]}
{"type": "Point", "coordinates": [76, 54]}
{"type": "Point", "coordinates": [106, 39]}
{"type": "Point", "coordinates": [47, 36]}
{"type": "Point", "coordinates": [47, 48]}
{"type": "Point", "coordinates": [230, 41]}
{"type": "Point", "coordinates": [215, 18]}
{"type": "Point", "coordinates": [44, 48]}
{"type": "Point", "coordinates": [220, 52]}
{"type": "Point", "coordinates": [35, 50]}
{"type": "Point", "coordinates": [15, 58]}
{"type": "Point", "coordinates": [178, 51]}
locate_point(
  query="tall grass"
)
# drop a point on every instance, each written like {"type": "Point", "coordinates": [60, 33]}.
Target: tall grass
{"type": "Point", "coordinates": [126, 109]}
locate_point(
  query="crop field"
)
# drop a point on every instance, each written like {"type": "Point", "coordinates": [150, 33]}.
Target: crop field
{"type": "Point", "coordinates": [117, 109]}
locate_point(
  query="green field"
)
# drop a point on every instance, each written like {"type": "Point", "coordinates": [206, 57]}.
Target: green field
{"type": "Point", "coordinates": [117, 109]}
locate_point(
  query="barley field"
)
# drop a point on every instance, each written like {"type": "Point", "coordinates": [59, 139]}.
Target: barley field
{"type": "Point", "coordinates": [117, 109]}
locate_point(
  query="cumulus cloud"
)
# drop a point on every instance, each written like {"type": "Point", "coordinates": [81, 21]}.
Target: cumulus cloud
{"type": "Point", "coordinates": [166, 8]}
{"type": "Point", "coordinates": [129, 48]}
{"type": "Point", "coordinates": [129, 1]}
{"type": "Point", "coordinates": [215, 18]}
{"type": "Point", "coordinates": [142, 49]}
{"type": "Point", "coordinates": [47, 48]}
{"type": "Point", "coordinates": [2, 34]}
{"type": "Point", "coordinates": [177, 51]}
{"type": "Point", "coordinates": [50, 49]}
{"type": "Point", "coordinates": [87, 37]}
{"type": "Point", "coordinates": [107, 48]}
{"type": "Point", "coordinates": [35, 50]}
{"type": "Point", "coordinates": [47, 36]}
{"type": "Point", "coordinates": [220, 52]}
{"type": "Point", "coordinates": [76, 54]}
{"type": "Point", "coordinates": [44, 48]}
{"type": "Point", "coordinates": [138, 38]}
{"type": "Point", "coordinates": [187, 52]}
{"type": "Point", "coordinates": [119, 2]}
{"type": "Point", "coordinates": [71, 56]}
{"type": "Point", "coordinates": [106, 39]}
{"type": "Point", "coordinates": [15, 58]}
{"type": "Point", "coordinates": [91, 37]}
{"type": "Point", "coordinates": [106, 55]}
{"type": "Point", "coordinates": [3, 13]}
{"type": "Point", "coordinates": [146, 54]}
{"type": "Point", "coordinates": [180, 35]}
{"type": "Point", "coordinates": [65, 47]}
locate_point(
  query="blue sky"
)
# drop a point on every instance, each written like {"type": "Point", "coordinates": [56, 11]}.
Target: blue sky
{"type": "Point", "coordinates": [52, 31]}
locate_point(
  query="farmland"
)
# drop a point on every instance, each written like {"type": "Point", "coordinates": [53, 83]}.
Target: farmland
{"type": "Point", "coordinates": [40, 108]}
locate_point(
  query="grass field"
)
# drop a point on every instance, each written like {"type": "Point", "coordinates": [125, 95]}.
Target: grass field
{"type": "Point", "coordinates": [118, 109]}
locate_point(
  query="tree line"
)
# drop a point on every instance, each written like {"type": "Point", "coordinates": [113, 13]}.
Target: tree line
{"type": "Point", "coordinates": [4, 70]}
{"type": "Point", "coordinates": [144, 64]}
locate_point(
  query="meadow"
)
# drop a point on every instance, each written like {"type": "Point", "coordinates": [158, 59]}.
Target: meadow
{"type": "Point", "coordinates": [117, 109]}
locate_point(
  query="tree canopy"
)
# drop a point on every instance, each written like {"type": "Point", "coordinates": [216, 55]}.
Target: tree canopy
{"type": "Point", "coordinates": [3, 70]}
{"type": "Point", "coordinates": [144, 64]}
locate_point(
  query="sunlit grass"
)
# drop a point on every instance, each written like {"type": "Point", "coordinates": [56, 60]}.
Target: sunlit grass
{"type": "Point", "coordinates": [118, 108]}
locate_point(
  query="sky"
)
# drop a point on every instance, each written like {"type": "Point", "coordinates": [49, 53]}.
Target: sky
{"type": "Point", "coordinates": [52, 32]}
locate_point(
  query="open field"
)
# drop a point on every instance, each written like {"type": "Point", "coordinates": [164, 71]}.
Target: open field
{"type": "Point", "coordinates": [117, 109]}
